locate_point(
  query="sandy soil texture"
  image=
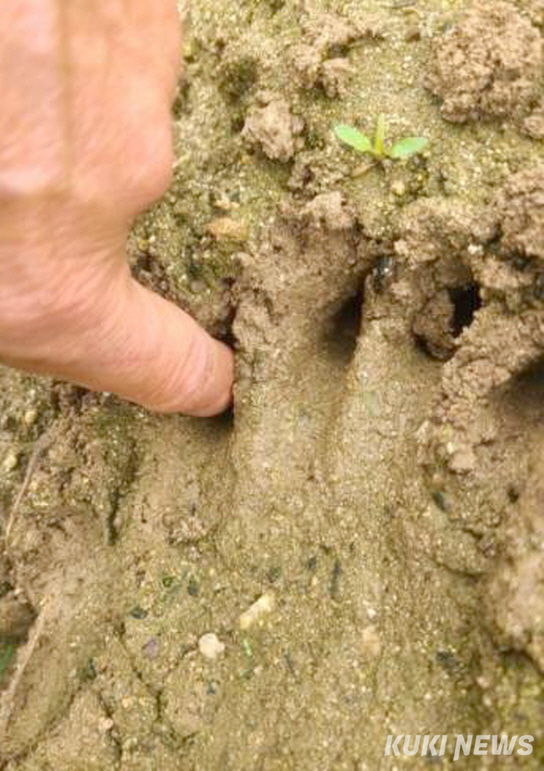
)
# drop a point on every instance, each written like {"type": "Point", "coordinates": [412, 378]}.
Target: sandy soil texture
{"type": "Point", "coordinates": [358, 549]}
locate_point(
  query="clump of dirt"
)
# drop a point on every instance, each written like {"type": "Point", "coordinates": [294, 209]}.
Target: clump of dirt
{"type": "Point", "coordinates": [329, 31]}
{"type": "Point", "coordinates": [438, 283]}
{"type": "Point", "coordinates": [489, 65]}
{"type": "Point", "coordinates": [521, 217]}
{"type": "Point", "coordinates": [484, 265]}
{"type": "Point", "coordinates": [434, 325]}
{"type": "Point", "coordinates": [334, 76]}
{"type": "Point", "coordinates": [321, 60]}
{"type": "Point", "coordinates": [478, 262]}
{"type": "Point", "coordinates": [273, 128]}
{"type": "Point", "coordinates": [516, 598]}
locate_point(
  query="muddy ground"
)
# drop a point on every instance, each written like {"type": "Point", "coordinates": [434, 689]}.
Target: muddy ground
{"type": "Point", "coordinates": [379, 485]}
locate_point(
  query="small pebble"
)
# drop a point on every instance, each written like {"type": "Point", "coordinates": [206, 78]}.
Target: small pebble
{"type": "Point", "coordinates": [398, 188]}
{"type": "Point", "coordinates": [138, 613]}
{"type": "Point", "coordinates": [261, 607]}
{"type": "Point", "coordinates": [11, 461]}
{"type": "Point", "coordinates": [105, 724]}
{"type": "Point", "coordinates": [370, 643]}
{"type": "Point", "coordinates": [227, 228]}
{"type": "Point", "coordinates": [30, 417]}
{"type": "Point", "coordinates": [151, 648]}
{"type": "Point", "coordinates": [210, 646]}
{"type": "Point", "coordinates": [413, 34]}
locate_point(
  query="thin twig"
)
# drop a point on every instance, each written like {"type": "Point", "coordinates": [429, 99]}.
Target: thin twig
{"type": "Point", "coordinates": [40, 446]}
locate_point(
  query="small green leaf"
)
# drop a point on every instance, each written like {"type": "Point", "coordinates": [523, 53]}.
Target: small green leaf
{"type": "Point", "coordinates": [353, 138]}
{"type": "Point", "coordinates": [408, 146]}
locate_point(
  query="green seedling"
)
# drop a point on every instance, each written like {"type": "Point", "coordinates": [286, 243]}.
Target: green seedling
{"type": "Point", "coordinates": [378, 147]}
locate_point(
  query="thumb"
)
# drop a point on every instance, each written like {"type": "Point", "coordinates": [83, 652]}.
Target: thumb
{"type": "Point", "coordinates": [151, 352]}
{"type": "Point", "coordinates": [155, 354]}
{"type": "Point", "coordinates": [127, 340]}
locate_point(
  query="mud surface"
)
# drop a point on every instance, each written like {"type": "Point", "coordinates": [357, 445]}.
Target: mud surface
{"type": "Point", "coordinates": [377, 490]}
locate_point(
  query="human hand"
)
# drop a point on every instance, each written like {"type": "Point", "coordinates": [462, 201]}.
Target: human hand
{"type": "Point", "coordinates": [86, 145]}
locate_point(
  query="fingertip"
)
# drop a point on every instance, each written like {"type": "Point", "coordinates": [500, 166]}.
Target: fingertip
{"type": "Point", "coordinates": [216, 393]}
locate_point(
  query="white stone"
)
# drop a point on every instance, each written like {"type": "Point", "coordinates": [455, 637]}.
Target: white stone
{"type": "Point", "coordinates": [261, 607]}
{"type": "Point", "coordinates": [11, 461]}
{"type": "Point", "coordinates": [210, 646]}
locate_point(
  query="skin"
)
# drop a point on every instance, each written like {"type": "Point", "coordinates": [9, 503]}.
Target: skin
{"type": "Point", "coordinates": [85, 146]}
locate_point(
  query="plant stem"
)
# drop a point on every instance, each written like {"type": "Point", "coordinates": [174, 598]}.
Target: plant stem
{"type": "Point", "coordinates": [379, 139]}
